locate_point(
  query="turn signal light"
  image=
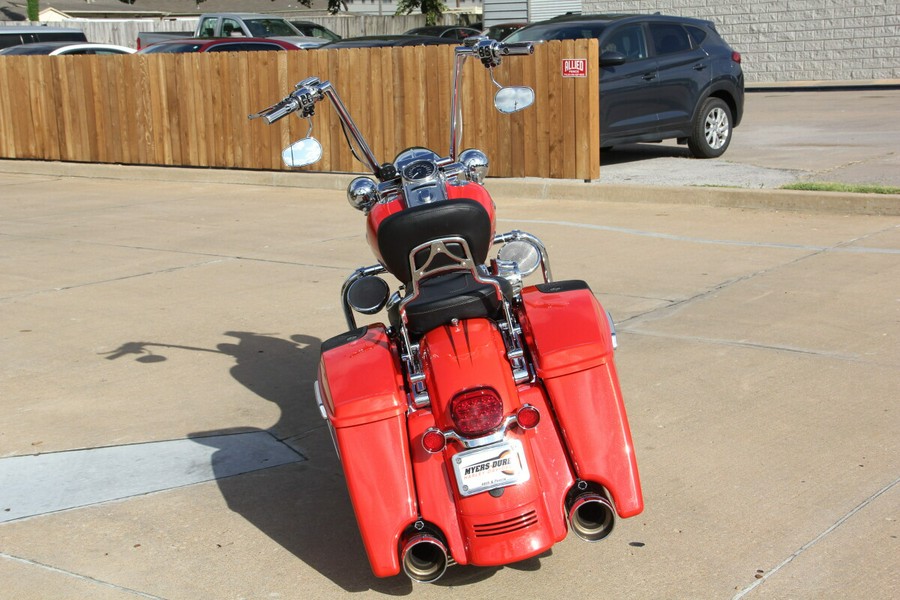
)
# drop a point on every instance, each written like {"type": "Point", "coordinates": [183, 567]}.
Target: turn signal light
{"type": "Point", "coordinates": [528, 417]}
{"type": "Point", "coordinates": [477, 412]}
{"type": "Point", "coordinates": [433, 440]}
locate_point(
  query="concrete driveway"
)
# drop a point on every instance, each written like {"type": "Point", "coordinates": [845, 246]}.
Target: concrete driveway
{"type": "Point", "coordinates": [159, 437]}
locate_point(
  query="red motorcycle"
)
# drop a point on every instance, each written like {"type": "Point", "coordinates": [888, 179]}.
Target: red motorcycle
{"type": "Point", "coordinates": [485, 419]}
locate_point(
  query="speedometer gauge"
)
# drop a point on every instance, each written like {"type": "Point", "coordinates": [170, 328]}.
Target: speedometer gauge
{"type": "Point", "coordinates": [421, 170]}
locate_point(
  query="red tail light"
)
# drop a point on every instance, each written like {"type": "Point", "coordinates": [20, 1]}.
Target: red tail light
{"type": "Point", "coordinates": [433, 440]}
{"type": "Point", "coordinates": [528, 417]}
{"type": "Point", "coordinates": [736, 57]}
{"type": "Point", "coordinates": [477, 412]}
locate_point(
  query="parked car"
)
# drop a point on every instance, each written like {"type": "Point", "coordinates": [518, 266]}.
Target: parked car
{"type": "Point", "coordinates": [661, 77]}
{"type": "Point", "coordinates": [501, 30]}
{"type": "Point", "coordinates": [443, 31]}
{"type": "Point", "coordinates": [213, 25]}
{"type": "Point", "coordinates": [380, 41]}
{"type": "Point", "coordinates": [14, 35]}
{"type": "Point", "coordinates": [315, 30]}
{"type": "Point", "coordinates": [219, 25]}
{"type": "Point", "coordinates": [217, 45]}
{"type": "Point", "coordinates": [60, 48]}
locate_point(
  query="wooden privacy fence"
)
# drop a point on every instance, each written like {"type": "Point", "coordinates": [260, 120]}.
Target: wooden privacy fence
{"type": "Point", "coordinates": [191, 109]}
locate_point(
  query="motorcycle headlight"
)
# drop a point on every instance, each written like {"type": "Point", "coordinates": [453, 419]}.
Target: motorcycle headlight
{"type": "Point", "coordinates": [362, 193]}
{"type": "Point", "coordinates": [476, 163]}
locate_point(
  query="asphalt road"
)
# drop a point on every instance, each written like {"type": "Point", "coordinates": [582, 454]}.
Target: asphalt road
{"type": "Point", "coordinates": [159, 436]}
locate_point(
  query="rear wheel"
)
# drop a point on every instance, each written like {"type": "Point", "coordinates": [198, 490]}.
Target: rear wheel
{"type": "Point", "coordinates": [711, 132]}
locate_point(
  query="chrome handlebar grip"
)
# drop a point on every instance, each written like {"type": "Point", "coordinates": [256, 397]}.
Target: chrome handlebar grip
{"type": "Point", "coordinates": [517, 49]}
{"type": "Point", "coordinates": [280, 110]}
{"type": "Point", "coordinates": [491, 52]}
{"type": "Point", "coordinates": [303, 99]}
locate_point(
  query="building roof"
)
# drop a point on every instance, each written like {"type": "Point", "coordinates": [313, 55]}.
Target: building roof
{"type": "Point", "coordinates": [16, 10]}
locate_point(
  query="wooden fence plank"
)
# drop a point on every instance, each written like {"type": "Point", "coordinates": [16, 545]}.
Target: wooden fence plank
{"type": "Point", "coordinates": [32, 98]}
{"type": "Point", "coordinates": [7, 130]}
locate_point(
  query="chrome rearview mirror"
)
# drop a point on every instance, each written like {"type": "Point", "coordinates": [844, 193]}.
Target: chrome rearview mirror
{"type": "Point", "coordinates": [302, 153]}
{"type": "Point", "coordinates": [513, 99]}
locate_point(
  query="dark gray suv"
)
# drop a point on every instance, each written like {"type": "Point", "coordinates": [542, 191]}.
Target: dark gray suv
{"type": "Point", "coordinates": [661, 77]}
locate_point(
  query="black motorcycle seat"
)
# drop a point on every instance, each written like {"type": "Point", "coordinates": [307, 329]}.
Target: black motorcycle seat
{"type": "Point", "coordinates": [455, 295]}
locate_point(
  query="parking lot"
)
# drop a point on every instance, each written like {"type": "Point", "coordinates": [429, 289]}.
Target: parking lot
{"type": "Point", "coordinates": [786, 136]}
{"type": "Point", "coordinates": [159, 437]}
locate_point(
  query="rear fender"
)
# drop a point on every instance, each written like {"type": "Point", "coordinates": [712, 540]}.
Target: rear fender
{"type": "Point", "coordinates": [484, 529]}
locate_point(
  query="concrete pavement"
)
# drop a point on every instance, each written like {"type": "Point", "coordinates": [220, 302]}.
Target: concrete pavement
{"type": "Point", "coordinates": [160, 331]}
{"type": "Point", "coordinates": [174, 327]}
{"type": "Point", "coordinates": [786, 136]}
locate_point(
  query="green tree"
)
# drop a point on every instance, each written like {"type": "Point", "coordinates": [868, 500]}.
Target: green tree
{"type": "Point", "coordinates": [33, 10]}
{"type": "Point", "coordinates": [432, 9]}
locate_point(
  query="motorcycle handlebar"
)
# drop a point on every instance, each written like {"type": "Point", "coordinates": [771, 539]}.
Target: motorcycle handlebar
{"type": "Point", "coordinates": [490, 52]}
{"type": "Point", "coordinates": [303, 98]}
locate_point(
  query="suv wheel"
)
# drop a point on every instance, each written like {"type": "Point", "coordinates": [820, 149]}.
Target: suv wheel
{"type": "Point", "coordinates": [711, 132]}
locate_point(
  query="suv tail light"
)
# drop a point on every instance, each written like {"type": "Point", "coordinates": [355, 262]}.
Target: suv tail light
{"type": "Point", "coordinates": [477, 412]}
{"type": "Point", "coordinates": [736, 57]}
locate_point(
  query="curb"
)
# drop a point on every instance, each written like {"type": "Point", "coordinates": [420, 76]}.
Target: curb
{"type": "Point", "coordinates": [527, 188]}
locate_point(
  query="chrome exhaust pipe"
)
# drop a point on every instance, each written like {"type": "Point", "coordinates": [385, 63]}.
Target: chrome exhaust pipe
{"type": "Point", "coordinates": [424, 557]}
{"type": "Point", "coordinates": [591, 516]}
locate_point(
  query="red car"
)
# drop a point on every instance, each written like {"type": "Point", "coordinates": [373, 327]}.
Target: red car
{"type": "Point", "coordinates": [243, 44]}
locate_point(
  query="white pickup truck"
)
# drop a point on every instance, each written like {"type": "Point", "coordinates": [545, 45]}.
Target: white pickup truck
{"type": "Point", "coordinates": [226, 25]}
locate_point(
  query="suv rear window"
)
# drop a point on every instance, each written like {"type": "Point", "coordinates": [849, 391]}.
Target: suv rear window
{"type": "Point", "coordinates": [669, 38]}
{"type": "Point", "coordinates": [697, 34]}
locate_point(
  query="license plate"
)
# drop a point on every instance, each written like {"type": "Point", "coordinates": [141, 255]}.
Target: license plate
{"type": "Point", "coordinates": [495, 466]}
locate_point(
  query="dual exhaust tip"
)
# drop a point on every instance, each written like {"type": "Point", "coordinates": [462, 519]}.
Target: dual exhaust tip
{"type": "Point", "coordinates": [591, 515]}
{"type": "Point", "coordinates": [424, 554]}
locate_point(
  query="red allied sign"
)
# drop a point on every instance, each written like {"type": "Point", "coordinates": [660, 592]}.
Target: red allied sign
{"type": "Point", "coordinates": [574, 67]}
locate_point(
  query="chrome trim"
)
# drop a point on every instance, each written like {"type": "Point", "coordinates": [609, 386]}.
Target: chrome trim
{"type": "Point", "coordinates": [476, 164]}
{"type": "Point", "coordinates": [409, 355]}
{"type": "Point", "coordinates": [439, 247]}
{"type": "Point", "coordinates": [612, 331]}
{"type": "Point", "coordinates": [318, 391]}
{"type": "Point", "coordinates": [350, 126]}
{"type": "Point", "coordinates": [511, 334]}
{"type": "Point", "coordinates": [319, 401]}
{"type": "Point", "coordinates": [508, 422]}
{"type": "Point", "coordinates": [362, 194]}
{"type": "Point", "coordinates": [517, 235]}
{"type": "Point", "coordinates": [424, 193]}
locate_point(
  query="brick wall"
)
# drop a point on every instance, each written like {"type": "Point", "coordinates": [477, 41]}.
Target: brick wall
{"type": "Point", "coordinates": [800, 40]}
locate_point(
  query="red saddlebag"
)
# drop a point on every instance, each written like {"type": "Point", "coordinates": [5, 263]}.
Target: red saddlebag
{"type": "Point", "coordinates": [571, 342]}
{"type": "Point", "coordinates": [362, 391]}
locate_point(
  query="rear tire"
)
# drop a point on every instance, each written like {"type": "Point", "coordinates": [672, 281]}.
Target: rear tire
{"type": "Point", "coordinates": [711, 133]}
